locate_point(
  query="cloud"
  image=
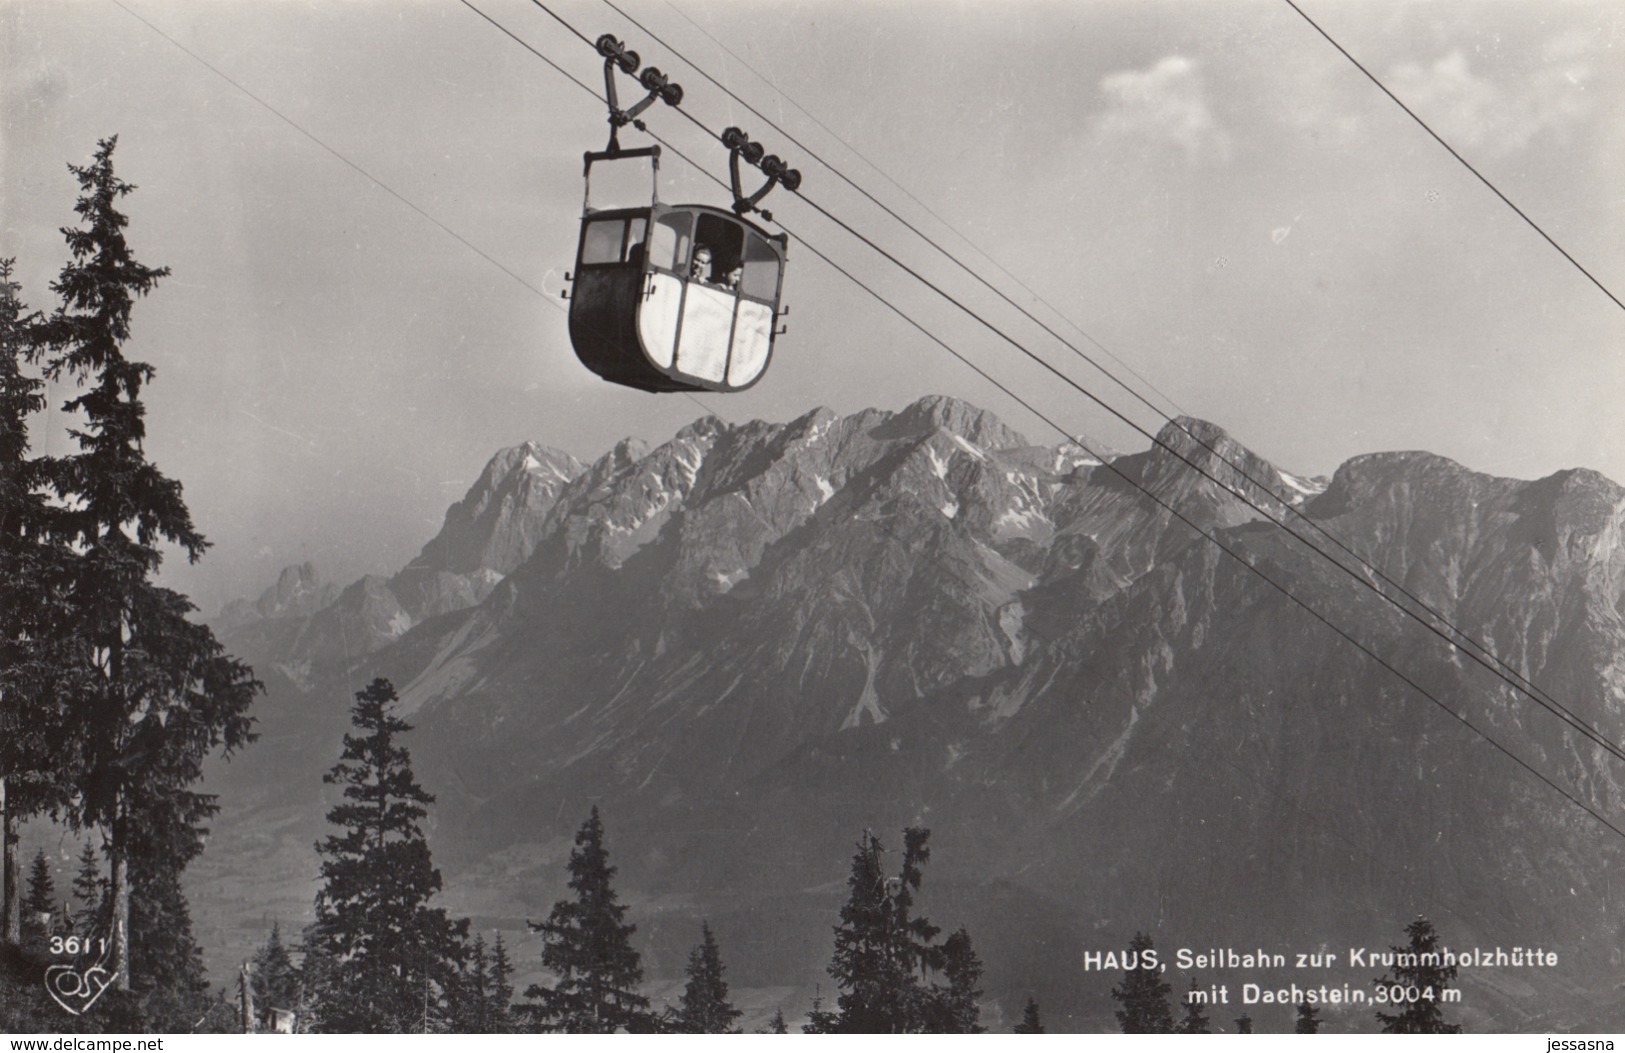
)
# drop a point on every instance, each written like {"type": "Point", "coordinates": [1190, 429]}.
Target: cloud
{"type": "Point", "coordinates": [1476, 113]}
{"type": "Point", "coordinates": [1166, 103]}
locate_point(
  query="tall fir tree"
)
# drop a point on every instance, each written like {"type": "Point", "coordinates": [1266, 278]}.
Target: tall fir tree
{"type": "Point", "coordinates": [1422, 978]}
{"type": "Point", "coordinates": [881, 950]}
{"type": "Point", "coordinates": [703, 1008]}
{"type": "Point", "coordinates": [170, 985]}
{"type": "Point", "coordinates": [1308, 1022]}
{"type": "Point", "coordinates": [820, 1021]}
{"type": "Point", "coordinates": [40, 901]}
{"type": "Point", "coordinates": [1031, 1023]}
{"type": "Point", "coordinates": [776, 1025]}
{"type": "Point", "coordinates": [90, 891]}
{"type": "Point", "coordinates": [588, 948]}
{"type": "Point", "coordinates": [154, 692]}
{"type": "Point", "coordinates": [274, 978]}
{"type": "Point", "coordinates": [33, 561]}
{"type": "Point", "coordinates": [1244, 1024]}
{"type": "Point", "coordinates": [318, 975]}
{"type": "Point", "coordinates": [470, 999]}
{"type": "Point", "coordinates": [1143, 994]}
{"type": "Point", "coordinates": [397, 957]}
{"type": "Point", "coordinates": [1195, 1021]}
{"type": "Point", "coordinates": [955, 1009]}
{"type": "Point", "coordinates": [485, 994]}
{"type": "Point", "coordinates": [501, 998]}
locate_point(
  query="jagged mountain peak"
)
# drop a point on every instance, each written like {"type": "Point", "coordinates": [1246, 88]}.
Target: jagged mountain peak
{"type": "Point", "coordinates": [706, 427]}
{"type": "Point", "coordinates": [968, 421]}
{"type": "Point", "coordinates": [299, 592]}
{"type": "Point", "coordinates": [531, 457]}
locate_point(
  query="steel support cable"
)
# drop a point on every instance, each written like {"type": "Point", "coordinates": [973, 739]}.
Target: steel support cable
{"type": "Point", "coordinates": [1174, 512]}
{"type": "Point", "coordinates": [906, 192]}
{"type": "Point", "coordinates": [1536, 227]}
{"type": "Point", "coordinates": [1514, 676]}
{"type": "Point", "coordinates": [290, 122]}
{"type": "Point", "coordinates": [1232, 553]}
{"type": "Point", "coordinates": [905, 222]}
{"type": "Point", "coordinates": [550, 301]}
{"type": "Point", "coordinates": [1540, 697]}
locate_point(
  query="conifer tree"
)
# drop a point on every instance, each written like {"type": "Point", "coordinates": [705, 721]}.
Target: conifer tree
{"type": "Point", "coordinates": [704, 1008]}
{"type": "Point", "coordinates": [1308, 1020]}
{"type": "Point", "coordinates": [1195, 1021]}
{"type": "Point", "coordinates": [90, 891]}
{"type": "Point", "coordinates": [820, 1021]}
{"type": "Point", "coordinates": [501, 994]}
{"type": "Point", "coordinates": [41, 900]}
{"type": "Point", "coordinates": [1143, 994]}
{"type": "Point", "coordinates": [166, 962]}
{"type": "Point", "coordinates": [881, 950]}
{"type": "Point", "coordinates": [396, 957]}
{"type": "Point", "coordinates": [483, 998]}
{"type": "Point", "coordinates": [589, 949]}
{"type": "Point", "coordinates": [955, 1008]}
{"type": "Point", "coordinates": [1244, 1024]}
{"type": "Point", "coordinates": [319, 976]}
{"type": "Point", "coordinates": [1030, 1022]}
{"type": "Point", "coordinates": [470, 1000]}
{"type": "Point", "coordinates": [776, 1025]}
{"type": "Point", "coordinates": [275, 978]}
{"type": "Point", "coordinates": [32, 561]}
{"type": "Point", "coordinates": [153, 692]}
{"type": "Point", "coordinates": [1427, 979]}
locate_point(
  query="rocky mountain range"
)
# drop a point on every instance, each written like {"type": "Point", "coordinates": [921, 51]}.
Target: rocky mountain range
{"type": "Point", "coordinates": [751, 642]}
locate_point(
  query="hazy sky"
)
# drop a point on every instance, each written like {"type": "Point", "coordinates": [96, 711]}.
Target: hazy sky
{"type": "Point", "coordinates": [1206, 186]}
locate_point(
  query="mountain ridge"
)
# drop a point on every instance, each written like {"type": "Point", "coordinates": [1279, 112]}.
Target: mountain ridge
{"type": "Point", "coordinates": [786, 632]}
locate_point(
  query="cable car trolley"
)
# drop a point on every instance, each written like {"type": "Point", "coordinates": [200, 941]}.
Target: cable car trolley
{"type": "Point", "coordinates": [676, 297]}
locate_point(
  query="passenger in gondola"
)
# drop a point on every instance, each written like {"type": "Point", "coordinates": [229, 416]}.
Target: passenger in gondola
{"type": "Point", "coordinates": [699, 270]}
{"type": "Point", "coordinates": [731, 280]}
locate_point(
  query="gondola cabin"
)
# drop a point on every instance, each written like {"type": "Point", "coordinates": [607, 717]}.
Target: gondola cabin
{"type": "Point", "coordinates": [675, 297]}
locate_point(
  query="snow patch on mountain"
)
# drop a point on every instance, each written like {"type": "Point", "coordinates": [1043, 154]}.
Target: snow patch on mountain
{"type": "Point", "coordinates": [969, 447]}
{"type": "Point", "coordinates": [868, 699]}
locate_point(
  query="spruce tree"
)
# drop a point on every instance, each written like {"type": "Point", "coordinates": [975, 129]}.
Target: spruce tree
{"type": "Point", "coordinates": [955, 1009]}
{"type": "Point", "coordinates": [1195, 1021]}
{"type": "Point", "coordinates": [500, 1001]}
{"type": "Point", "coordinates": [483, 997]}
{"type": "Point", "coordinates": [1030, 1022]}
{"type": "Point", "coordinates": [1143, 994]}
{"type": "Point", "coordinates": [154, 693]}
{"type": "Point", "coordinates": [41, 900]}
{"type": "Point", "coordinates": [1244, 1024]}
{"type": "Point", "coordinates": [1422, 979]}
{"type": "Point", "coordinates": [32, 562]}
{"type": "Point", "coordinates": [275, 978]}
{"type": "Point", "coordinates": [90, 892]}
{"type": "Point", "coordinates": [776, 1025]}
{"type": "Point", "coordinates": [704, 1008]}
{"type": "Point", "coordinates": [820, 1021]}
{"type": "Point", "coordinates": [589, 950]}
{"type": "Point", "coordinates": [396, 957]}
{"type": "Point", "coordinates": [1308, 1020]}
{"type": "Point", "coordinates": [470, 1003]}
{"type": "Point", "coordinates": [167, 964]}
{"type": "Point", "coordinates": [319, 980]}
{"type": "Point", "coordinates": [881, 950]}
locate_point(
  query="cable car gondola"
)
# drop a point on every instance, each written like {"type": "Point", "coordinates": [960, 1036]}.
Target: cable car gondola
{"type": "Point", "coordinates": [675, 297]}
